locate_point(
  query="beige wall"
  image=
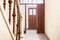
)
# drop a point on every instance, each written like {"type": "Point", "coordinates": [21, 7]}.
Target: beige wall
{"type": "Point", "coordinates": [52, 19]}
{"type": "Point", "coordinates": [4, 33]}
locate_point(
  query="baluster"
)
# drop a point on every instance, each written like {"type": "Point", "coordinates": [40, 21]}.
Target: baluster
{"type": "Point", "coordinates": [4, 4]}
{"type": "Point", "coordinates": [18, 24]}
{"type": "Point", "coordinates": [14, 14]}
{"type": "Point", "coordinates": [10, 2]}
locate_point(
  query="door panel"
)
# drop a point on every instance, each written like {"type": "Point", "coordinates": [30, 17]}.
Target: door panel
{"type": "Point", "coordinates": [32, 18]}
{"type": "Point", "coordinates": [34, 21]}
{"type": "Point", "coordinates": [40, 11]}
{"type": "Point", "coordinates": [30, 21]}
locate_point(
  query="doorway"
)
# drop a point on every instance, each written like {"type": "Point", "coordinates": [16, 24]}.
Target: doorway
{"type": "Point", "coordinates": [29, 19]}
{"type": "Point", "coordinates": [32, 18]}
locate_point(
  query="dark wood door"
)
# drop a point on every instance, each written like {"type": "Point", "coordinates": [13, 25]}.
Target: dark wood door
{"type": "Point", "coordinates": [32, 18]}
{"type": "Point", "coordinates": [41, 18]}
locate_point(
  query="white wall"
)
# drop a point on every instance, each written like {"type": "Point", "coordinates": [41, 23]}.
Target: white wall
{"type": "Point", "coordinates": [4, 33]}
{"type": "Point", "coordinates": [52, 19]}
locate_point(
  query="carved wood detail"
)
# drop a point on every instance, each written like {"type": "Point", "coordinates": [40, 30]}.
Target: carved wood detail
{"type": "Point", "coordinates": [14, 15]}
{"type": "Point", "coordinates": [18, 24]}
{"type": "Point", "coordinates": [18, 20]}
{"type": "Point", "coordinates": [4, 4]}
{"type": "Point", "coordinates": [10, 2]}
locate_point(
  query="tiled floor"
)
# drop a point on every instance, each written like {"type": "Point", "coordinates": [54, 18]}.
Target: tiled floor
{"type": "Point", "coordinates": [32, 35]}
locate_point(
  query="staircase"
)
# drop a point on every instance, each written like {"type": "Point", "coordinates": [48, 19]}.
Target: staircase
{"type": "Point", "coordinates": [10, 23]}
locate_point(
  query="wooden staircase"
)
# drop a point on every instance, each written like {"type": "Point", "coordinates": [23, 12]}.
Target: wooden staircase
{"type": "Point", "coordinates": [16, 32]}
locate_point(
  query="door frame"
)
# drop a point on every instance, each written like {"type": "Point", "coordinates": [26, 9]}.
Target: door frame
{"type": "Point", "coordinates": [32, 12]}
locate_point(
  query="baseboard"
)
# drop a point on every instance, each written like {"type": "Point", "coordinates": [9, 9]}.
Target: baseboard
{"type": "Point", "coordinates": [47, 36]}
{"type": "Point", "coordinates": [40, 32]}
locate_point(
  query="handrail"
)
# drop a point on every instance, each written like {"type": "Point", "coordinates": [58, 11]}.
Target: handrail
{"type": "Point", "coordinates": [11, 34]}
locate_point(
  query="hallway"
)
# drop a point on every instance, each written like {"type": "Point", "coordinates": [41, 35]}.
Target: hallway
{"type": "Point", "coordinates": [32, 35]}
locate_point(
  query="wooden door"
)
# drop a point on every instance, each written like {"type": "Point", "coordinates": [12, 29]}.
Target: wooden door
{"type": "Point", "coordinates": [32, 18]}
{"type": "Point", "coordinates": [41, 18]}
